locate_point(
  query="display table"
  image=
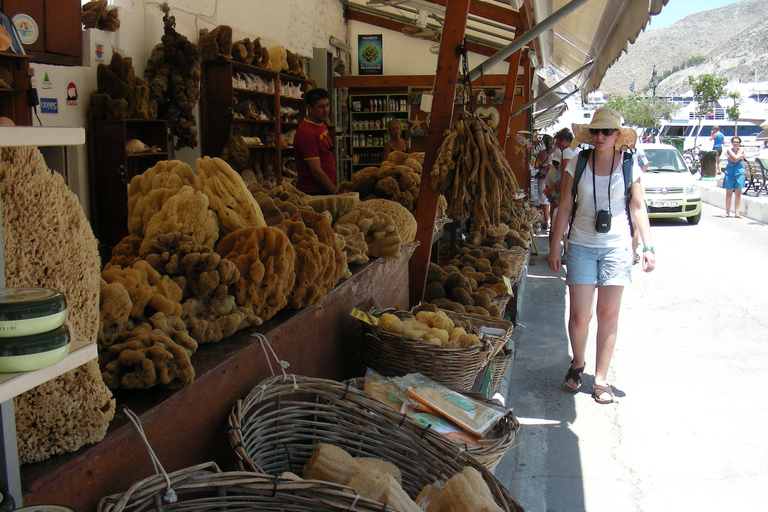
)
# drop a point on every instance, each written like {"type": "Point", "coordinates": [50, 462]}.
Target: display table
{"type": "Point", "coordinates": [189, 426]}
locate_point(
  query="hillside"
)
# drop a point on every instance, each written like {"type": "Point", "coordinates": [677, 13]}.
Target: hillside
{"type": "Point", "coordinates": [731, 39]}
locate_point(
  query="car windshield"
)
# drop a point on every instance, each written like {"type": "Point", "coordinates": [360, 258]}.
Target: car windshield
{"type": "Point", "coordinates": [667, 160]}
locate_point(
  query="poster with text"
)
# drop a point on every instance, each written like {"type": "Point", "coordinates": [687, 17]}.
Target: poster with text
{"type": "Point", "coordinates": [369, 58]}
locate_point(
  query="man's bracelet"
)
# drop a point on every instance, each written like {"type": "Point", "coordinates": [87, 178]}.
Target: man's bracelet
{"type": "Point", "coordinates": [646, 249]}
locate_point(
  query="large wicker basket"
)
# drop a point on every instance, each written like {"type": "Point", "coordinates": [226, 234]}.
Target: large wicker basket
{"type": "Point", "coordinates": [205, 488]}
{"type": "Point", "coordinates": [503, 434]}
{"type": "Point", "coordinates": [393, 355]}
{"type": "Point", "coordinates": [276, 427]}
{"type": "Point", "coordinates": [502, 329]}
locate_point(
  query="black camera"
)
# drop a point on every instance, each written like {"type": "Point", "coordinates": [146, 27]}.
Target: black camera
{"type": "Point", "coordinates": [603, 221]}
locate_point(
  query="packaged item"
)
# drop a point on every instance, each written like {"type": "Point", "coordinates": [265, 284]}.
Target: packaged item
{"type": "Point", "coordinates": [472, 415]}
{"type": "Point", "coordinates": [33, 352]}
{"type": "Point", "coordinates": [28, 311]}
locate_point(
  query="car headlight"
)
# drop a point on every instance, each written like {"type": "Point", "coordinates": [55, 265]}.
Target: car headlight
{"type": "Point", "coordinates": [692, 190]}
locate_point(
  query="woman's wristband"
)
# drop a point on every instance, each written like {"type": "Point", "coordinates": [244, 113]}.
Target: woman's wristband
{"type": "Point", "coordinates": [651, 249]}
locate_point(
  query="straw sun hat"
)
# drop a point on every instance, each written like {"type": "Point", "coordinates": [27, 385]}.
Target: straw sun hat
{"type": "Point", "coordinates": [605, 117]}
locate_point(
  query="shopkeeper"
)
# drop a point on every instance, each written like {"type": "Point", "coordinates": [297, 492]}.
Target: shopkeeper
{"type": "Point", "coordinates": [312, 147]}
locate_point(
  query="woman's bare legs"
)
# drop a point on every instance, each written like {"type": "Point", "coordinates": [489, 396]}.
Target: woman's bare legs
{"type": "Point", "coordinates": [728, 196]}
{"type": "Point", "coordinates": [737, 204]}
{"type": "Point", "coordinates": [581, 297]}
{"type": "Point", "coordinates": [608, 305]}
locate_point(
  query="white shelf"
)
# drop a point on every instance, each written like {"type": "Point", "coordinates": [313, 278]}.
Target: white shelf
{"type": "Point", "coordinates": [41, 136]}
{"type": "Point", "coordinates": [12, 384]}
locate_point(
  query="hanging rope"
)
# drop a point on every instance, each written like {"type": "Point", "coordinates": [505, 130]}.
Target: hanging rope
{"type": "Point", "coordinates": [470, 103]}
{"type": "Point", "coordinates": [170, 494]}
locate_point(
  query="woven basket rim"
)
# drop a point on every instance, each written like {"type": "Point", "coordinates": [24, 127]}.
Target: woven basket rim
{"type": "Point", "coordinates": [208, 477]}
{"type": "Point", "coordinates": [355, 409]}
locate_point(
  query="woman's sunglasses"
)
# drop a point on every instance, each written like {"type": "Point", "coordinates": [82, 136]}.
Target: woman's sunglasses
{"type": "Point", "coordinates": [605, 131]}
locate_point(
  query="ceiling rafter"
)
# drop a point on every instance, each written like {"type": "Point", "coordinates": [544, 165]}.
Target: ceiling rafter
{"type": "Point", "coordinates": [397, 26]}
{"type": "Point", "coordinates": [491, 12]}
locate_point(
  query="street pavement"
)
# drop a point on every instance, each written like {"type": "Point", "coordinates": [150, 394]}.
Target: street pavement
{"type": "Point", "coordinates": [688, 429]}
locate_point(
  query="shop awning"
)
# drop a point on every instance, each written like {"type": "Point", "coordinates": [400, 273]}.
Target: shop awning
{"type": "Point", "coordinates": [598, 31]}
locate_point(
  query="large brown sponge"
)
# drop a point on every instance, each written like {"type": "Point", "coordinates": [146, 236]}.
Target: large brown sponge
{"type": "Point", "coordinates": [48, 242]}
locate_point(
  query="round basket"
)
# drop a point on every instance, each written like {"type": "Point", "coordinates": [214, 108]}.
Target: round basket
{"type": "Point", "coordinates": [276, 427]}
{"type": "Point", "coordinates": [205, 488]}
{"type": "Point", "coordinates": [501, 438]}
{"type": "Point", "coordinates": [495, 331]}
{"type": "Point", "coordinates": [394, 355]}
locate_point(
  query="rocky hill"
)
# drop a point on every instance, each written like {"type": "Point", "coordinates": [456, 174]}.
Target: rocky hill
{"type": "Point", "coordinates": [732, 40]}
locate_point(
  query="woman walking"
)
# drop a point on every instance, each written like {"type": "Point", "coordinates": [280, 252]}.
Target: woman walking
{"type": "Point", "coordinates": [733, 181]}
{"type": "Point", "coordinates": [600, 251]}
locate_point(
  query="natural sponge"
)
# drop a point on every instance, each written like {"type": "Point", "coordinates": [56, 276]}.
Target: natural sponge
{"type": "Point", "coordinates": [48, 242]}
{"type": "Point", "coordinates": [265, 259]}
{"type": "Point", "coordinates": [64, 414]}
{"type": "Point", "coordinates": [149, 191]}
{"type": "Point", "coordinates": [404, 220]}
{"type": "Point", "coordinates": [228, 195]}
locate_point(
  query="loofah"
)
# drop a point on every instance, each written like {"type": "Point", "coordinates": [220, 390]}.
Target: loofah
{"type": "Point", "coordinates": [354, 242]}
{"type": "Point", "coordinates": [278, 59]}
{"type": "Point", "coordinates": [381, 234]}
{"type": "Point", "coordinates": [337, 205]}
{"type": "Point", "coordinates": [309, 269]}
{"type": "Point", "coordinates": [333, 261]}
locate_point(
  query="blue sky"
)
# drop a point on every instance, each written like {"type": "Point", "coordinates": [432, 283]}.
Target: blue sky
{"type": "Point", "coordinates": [677, 9]}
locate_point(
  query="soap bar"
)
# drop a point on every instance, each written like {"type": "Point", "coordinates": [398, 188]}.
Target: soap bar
{"type": "Point", "coordinates": [28, 311]}
{"type": "Point", "coordinates": [33, 352]}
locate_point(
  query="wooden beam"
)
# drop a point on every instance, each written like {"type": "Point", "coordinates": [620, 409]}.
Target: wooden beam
{"type": "Point", "coordinates": [396, 26]}
{"type": "Point", "coordinates": [491, 12]}
{"type": "Point", "coordinates": [448, 64]}
{"type": "Point", "coordinates": [509, 96]}
{"type": "Point", "coordinates": [388, 82]}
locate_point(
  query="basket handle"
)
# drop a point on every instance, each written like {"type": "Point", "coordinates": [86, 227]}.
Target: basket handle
{"type": "Point", "coordinates": [266, 345]}
{"type": "Point", "coordinates": [170, 494]}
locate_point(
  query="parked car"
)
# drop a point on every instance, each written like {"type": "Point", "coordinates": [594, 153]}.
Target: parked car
{"type": "Point", "coordinates": [669, 188]}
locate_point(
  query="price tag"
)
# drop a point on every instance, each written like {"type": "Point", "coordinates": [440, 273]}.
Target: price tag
{"type": "Point", "coordinates": [364, 317]}
{"type": "Point", "coordinates": [508, 283]}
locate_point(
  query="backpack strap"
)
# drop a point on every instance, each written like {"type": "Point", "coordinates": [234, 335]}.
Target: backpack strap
{"type": "Point", "coordinates": [581, 164]}
{"type": "Point", "coordinates": [629, 160]}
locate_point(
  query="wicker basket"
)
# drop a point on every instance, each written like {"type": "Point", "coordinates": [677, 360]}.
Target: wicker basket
{"type": "Point", "coordinates": [498, 367]}
{"type": "Point", "coordinates": [503, 434]}
{"type": "Point", "coordinates": [393, 355]}
{"type": "Point", "coordinates": [276, 427]}
{"type": "Point", "coordinates": [206, 488]}
{"type": "Point", "coordinates": [502, 327]}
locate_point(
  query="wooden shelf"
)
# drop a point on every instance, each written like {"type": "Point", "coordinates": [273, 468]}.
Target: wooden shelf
{"type": "Point", "coordinates": [148, 153]}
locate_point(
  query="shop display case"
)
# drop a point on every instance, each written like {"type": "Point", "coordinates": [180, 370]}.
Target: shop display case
{"type": "Point", "coordinates": [112, 167]}
{"type": "Point", "coordinates": [264, 107]}
{"type": "Point", "coordinates": [13, 99]}
{"type": "Point", "coordinates": [369, 115]}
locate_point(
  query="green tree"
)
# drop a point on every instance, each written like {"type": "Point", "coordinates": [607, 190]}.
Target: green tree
{"type": "Point", "coordinates": [707, 89]}
{"type": "Point", "coordinates": [733, 110]}
{"type": "Point", "coordinates": [641, 111]}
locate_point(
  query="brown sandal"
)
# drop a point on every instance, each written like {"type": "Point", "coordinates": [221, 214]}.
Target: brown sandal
{"type": "Point", "coordinates": [574, 374]}
{"type": "Point", "coordinates": [599, 391]}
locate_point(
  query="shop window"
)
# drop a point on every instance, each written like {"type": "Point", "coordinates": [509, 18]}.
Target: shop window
{"type": "Point", "coordinates": [54, 30]}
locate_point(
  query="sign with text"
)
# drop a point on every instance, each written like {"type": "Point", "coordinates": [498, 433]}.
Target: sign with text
{"type": "Point", "coordinates": [369, 55]}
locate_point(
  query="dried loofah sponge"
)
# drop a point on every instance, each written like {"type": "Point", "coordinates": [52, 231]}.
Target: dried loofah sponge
{"type": "Point", "coordinates": [381, 234]}
{"type": "Point", "coordinates": [48, 242]}
{"type": "Point", "coordinates": [334, 262]}
{"type": "Point", "coordinates": [265, 259]}
{"type": "Point", "coordinates": [338, 205]}
{"type": "Point", "coordinates": [228, 195]}
{"type": "Point", "coordinates": [404, 220]}
{"type": "Point", "coordinates": [63, 414]}
{"type": "Point", "coordinates": [149, 191]}
{"type": "Point", "coordinates": [332, 464]}
{"type": "Point", "coordinates": [278, 59]}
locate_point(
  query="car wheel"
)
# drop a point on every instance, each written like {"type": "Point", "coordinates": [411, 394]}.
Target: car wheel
{"type": "Point", "coordinates": [695, 219]}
